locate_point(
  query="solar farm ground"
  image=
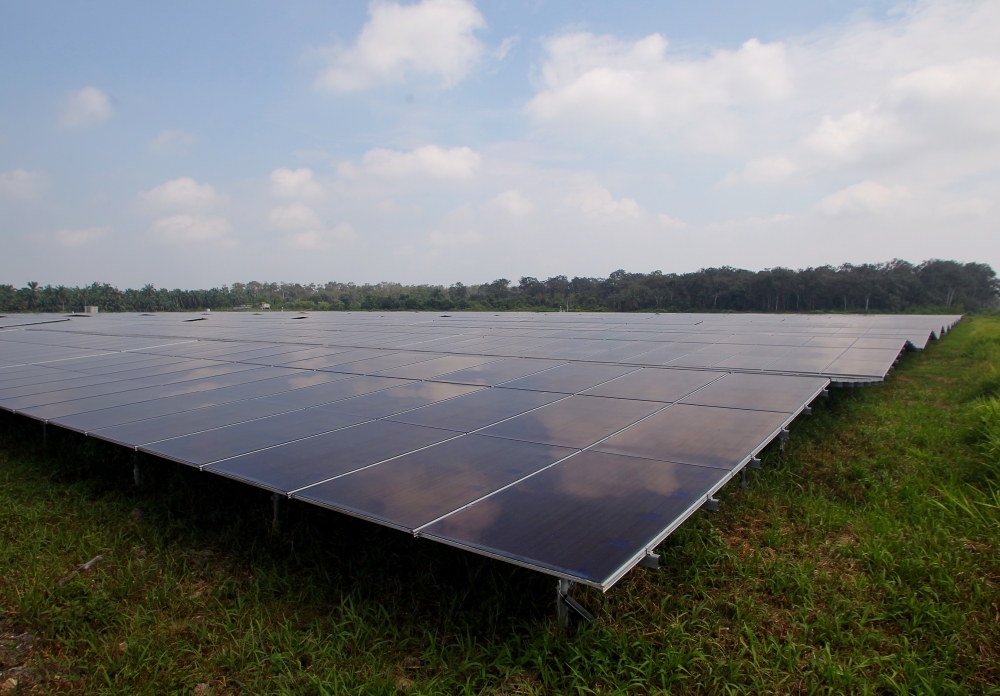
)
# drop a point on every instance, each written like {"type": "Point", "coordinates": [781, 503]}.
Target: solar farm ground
{"type": "Point", "coordinates": [863, 560]}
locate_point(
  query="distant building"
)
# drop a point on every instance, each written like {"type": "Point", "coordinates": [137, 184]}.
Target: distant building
{"type": "Point", "coordinates": [265, 305]}
{"type": "Point", "coordinates": [91, 309]}
{"type": "Point", "coordinates": [243, 306]}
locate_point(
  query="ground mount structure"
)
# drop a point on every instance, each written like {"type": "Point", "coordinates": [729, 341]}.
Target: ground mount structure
{"type": "Point", "coordinates": [569, 443]}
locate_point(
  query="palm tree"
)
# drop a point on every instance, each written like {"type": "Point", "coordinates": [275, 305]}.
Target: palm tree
{"type": "Point", "coordinates": [33, 297]}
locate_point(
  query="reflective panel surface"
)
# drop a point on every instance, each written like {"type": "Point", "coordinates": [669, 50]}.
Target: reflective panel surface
{"type": "Point", "coordinates": [651, 384]}
{"type": "Point", "coordinates": [578, 421]}
{"type": "Point", "coordinates": [478, 409]}
{"type": "Point", "coordinates": [759, 392]}
{"type": "Point", "coordinates": [298, 464]}
{"type": "Point", "coordinates": [417, 488]}
{"type": "Point", "coordinates": [716, 437]}
{"type": "Point", "coordinates": [585, 517]}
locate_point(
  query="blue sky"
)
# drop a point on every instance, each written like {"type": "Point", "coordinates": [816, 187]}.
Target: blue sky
{"type": "Point", "coordinates": [191, 144]}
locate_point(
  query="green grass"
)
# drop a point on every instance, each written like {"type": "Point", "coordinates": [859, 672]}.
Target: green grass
{"type": "Point", "coordinates": [864, 560]}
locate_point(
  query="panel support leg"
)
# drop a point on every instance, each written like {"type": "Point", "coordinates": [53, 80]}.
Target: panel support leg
{"type": "Point", "coordinates": [135, 469]}
{"type": "Point", "coordinates": [562, 609]}
{"type": "Point", "coordinates": [743, 477]}
{"type": "Point", "coordinates": [565, 604]}
{"type": "Point", "coordinates": [276, 520]}
{"type": "Point", "coordinates": [45, 433]}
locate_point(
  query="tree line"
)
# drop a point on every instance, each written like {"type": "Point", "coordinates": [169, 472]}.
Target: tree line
{"type": "Point", "coordinates": [895, 286]}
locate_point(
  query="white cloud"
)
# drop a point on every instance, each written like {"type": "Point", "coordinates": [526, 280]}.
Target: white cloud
{"type": "Point", "coordinates": [192, 229]}
{"type": "Point", "coordinates": [670, 223]}
{"type": "Point", "coordinates": [501, 51]}
{"type": "Point", "coordinates": [431, 38]}
{"type": "Point", "coordinates": [323, 240]}
{"type": "Point", "coordinates": [299, 183]}
{"type": "Point", "coordinates": [592, 80]}
{"type": "Point", "coordinates": [306, 230]}
{"type": "Point", "coordinates": [766, 171]}
{"type": "Point", "coordinates": [19, 183]}
{"type": "Point", "coordinates": [866, 197]}
{"type": "Point", "coordinates": [76, 238]}
{"type": "Point", "coordinates": [920, 93]}
{"type": "Point", "coordinates": [427, 161]}
{"type": "Point", "coordinates": [295, 217]}
{"type": "Point", "coordinates": [170, 142]}
{"type": "Point", "coordinates": [597, 200]}
{"type": "Point", "coordinates": [88, 107]}
{"type": "Point", "coordinates": [512, 203]}
{"type": "Point", "coordinates": [454, 239]}
{"type": "Point", "coordinates": [183, 193]}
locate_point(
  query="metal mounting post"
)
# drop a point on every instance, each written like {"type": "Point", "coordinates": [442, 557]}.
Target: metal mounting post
{"type": "Point", "coordinates": [45, 433]}
{"type": "Point", "coordinates": [562, 609]}
{"type": "Point", "coordinates": [743, 477]}
{"type": "Point", "coordinates": [712, 505]}
{"type": "Point", "coordinates": [276, 521]}
{"type": "Point", "coordinates": [807, 411]}
{"type": "Point", "coordinates": [135, 468]}
{"type": "Point", "coordinates": [784, 434]}
{"type": "Point", "coordinates": [565, 603]}
{"type": "Point", "coordinates": [825, 394]}
{"type": "Point", "coordinates": [754, 463]}
{"type": "Point", "coordinates": [651, 561]}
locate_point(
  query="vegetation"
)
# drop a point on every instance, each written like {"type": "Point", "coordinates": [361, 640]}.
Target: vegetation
{"type": "Point", "coordinates": [863, 560]}
{"type": "Point", "coordinates": [897, 286]}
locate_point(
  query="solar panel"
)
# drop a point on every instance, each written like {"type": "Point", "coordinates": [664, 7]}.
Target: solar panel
{"type": "Point", "coordinates": [588, 517]}
{"type": "Point", "coordinates": [415, 489]}
{"type": "Point", "coordinates": [577, 421]}
{"type": "Point", "coordinates": [702, 435]}
{"type": "Point", "coordinates": [569, 443]}
{"type": "Point", "coordinates": [289, 467]}
{"type": "Point", "coordinates": [478, 409]}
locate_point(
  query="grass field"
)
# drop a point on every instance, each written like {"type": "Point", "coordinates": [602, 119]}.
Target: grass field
{"type": "Point", "coordinates": [864, 560]}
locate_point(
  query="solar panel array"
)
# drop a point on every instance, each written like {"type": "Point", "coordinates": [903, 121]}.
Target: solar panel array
{"type": "Point", "coordinates": [568, 443]}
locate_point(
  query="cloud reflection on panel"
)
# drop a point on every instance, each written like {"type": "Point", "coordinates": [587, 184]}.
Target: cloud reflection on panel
{"type": "Point", "coordinates": [579, 504]}
{"type": "Point", "coordinates": [418, 488]}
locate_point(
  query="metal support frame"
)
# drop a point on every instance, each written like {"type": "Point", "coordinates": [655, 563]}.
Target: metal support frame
{"type": "Point", "coordinates": [754, 463]}
{"type": "Point", "coordinates": [807, 411]}
{"type": "Point", "coordinates": [45, 433]}
{"type": "Point", "coordinates": [276, 520]}
{"type": "Point", "coordinates": [712, 505]}
{"type": "Point", "coordinates": [565, 603]}
{"type": "Point", "coordinates": [135, 469]}
{"type": "Point", "coordinates": [782, 439]}
{"type": "Point", "coordinates": [743, 477]}
{"type": "Point", "coordinates": [825, 394]}
{"type": "Point", "coordinates": [651, 561]}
